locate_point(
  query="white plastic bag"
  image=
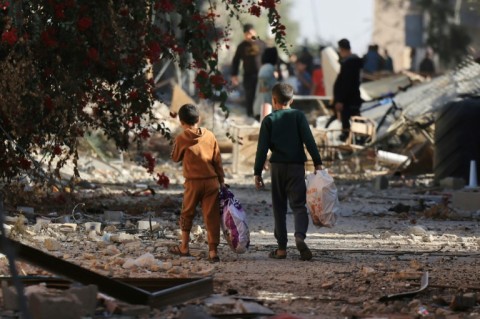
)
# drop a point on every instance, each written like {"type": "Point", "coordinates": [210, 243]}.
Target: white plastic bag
{"type": "Point", "coordinates": [322, 198]}
{"type": "Point", "coordinates": [234, 222]}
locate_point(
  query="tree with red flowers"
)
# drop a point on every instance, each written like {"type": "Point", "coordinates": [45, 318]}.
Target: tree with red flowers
{"type": "Point", "coordinates": [70, 66]}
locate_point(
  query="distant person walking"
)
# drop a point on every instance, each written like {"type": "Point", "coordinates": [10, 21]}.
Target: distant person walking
{"type": "Point", "coordinates": [372, 63]}
{"type": "Point", "coordinates": [248, 52]}
{"type": "Point", "coordinates": [267, 78]}
{"type": "Point", "coordinates": [304, 78]}
{"type": "Point", "coordinates": [318, 86]}
{"type": "Point", "coordinates": [388, 61]}
{"type": "Point", "coordinates": [427, 66]}
{"type": "Point", "coordinates": [346, 89]}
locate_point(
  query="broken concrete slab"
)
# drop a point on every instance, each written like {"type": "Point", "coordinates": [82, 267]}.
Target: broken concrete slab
{"type": "Point", "coordinates": [466, 199]}
{"type": "Point", "coordinates": [113, 216]}
{"type": "Point", "coordinates": [452, 183]}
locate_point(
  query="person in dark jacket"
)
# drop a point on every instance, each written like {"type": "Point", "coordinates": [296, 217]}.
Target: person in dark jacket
{"type": "Point", "coordinates": [249, 52]}
{"type": "Point", "coordinates": [346, 89]}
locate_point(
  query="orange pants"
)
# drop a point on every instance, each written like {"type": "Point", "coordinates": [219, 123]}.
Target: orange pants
{"type": "Point", "coordinates": [203, 191]}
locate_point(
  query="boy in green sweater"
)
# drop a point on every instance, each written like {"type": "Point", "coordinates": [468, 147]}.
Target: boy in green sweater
{"type": "Point", "coordinates": [285, 132]}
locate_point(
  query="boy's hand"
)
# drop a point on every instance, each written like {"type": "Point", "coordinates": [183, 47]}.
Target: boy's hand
{"type": "Point", "coordinates": [319, 168]}
{"type": "Point", "coordinates": [259, 182]}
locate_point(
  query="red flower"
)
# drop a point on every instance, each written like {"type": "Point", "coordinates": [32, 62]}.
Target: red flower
{"type": "Point", "coordinates": [164, 5]}
{"type": "Point", "coordinates": [150, 162]}
{"type": "Point", "coordinates": [153, 51]}
{"type": "Point", "coordinates": [92, 53]}
{"type": "Point", "coordinates": [48, 103]}
{"type": "Point", "coordinates": [144, 134]}
{"type": "Point", "coordinates": [217, 80]}
{"type": "Point", "coordinates": [124, 11]}
{"type": "Point", "coordinates": [4, 5]}
{"type": "Point", "coordinates": [10, 36]}
{"type": "Point", "coordinates": [133, 95]}
{"type": "Point", "coordinates": [163, 180]}
{"type": "Point", "coordinates": [269, 4]}
{"type": "Point", "coordinates": [136, 119]}
{"type": "Point", "coordinates": [202, 74]}
{"type": "Point", "coordinates": [57, 150]}
{"type": "Point", "coordinates": [48, 39]}
{"type": "Point", "coordinates": [60, 11]}
{"type": "Point", "coordinates": [24, 163]}
{"type": "Point", "coordinates": [84, 23]}
{"type": "Point", "coordinates": [255, 10]}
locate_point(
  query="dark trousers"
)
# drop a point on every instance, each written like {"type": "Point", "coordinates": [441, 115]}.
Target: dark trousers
{"type": "Point", "coordinates": [250, 87]}
{"type": "Point", "coordinates": [347, 112]}
{"type": "Point", "coordinates": [288, 183]}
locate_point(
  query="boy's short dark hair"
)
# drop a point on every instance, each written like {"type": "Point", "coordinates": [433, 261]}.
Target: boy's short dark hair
{"type": "Point", "coordinates": [188, 114]}
{"type": "Point", "coordinates": [344, 44]}
{"type": "Point", "coordinates": [283, 92]}
{"type": "Point", "coordinates": [247, 27]}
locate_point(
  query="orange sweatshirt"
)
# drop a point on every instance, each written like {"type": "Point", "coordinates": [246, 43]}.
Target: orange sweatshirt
{"type": "Point", "coordinates": [199, 151]}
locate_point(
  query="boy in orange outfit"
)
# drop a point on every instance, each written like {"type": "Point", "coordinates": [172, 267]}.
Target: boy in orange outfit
{"type": "Point", "coordinates": [202, 168]}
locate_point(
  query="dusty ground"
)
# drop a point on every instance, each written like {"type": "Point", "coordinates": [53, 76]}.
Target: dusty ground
{"type": "Point", "coordinates": [371, 252]}
{"type": "Point", "coordinates": [383, 243]}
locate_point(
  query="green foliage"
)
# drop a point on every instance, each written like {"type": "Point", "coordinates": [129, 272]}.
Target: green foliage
{"type": "Point", "coordinates": [445, 37]}
{"type": "Point", "coordinates": [71, 66]}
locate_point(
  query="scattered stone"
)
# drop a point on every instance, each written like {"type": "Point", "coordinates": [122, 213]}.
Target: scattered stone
{"type": "Point", "coordinates": [427, 238]}
{"type": "Point", "coordinates": [367, 270]}
{"type": "Point", "coordinates": [327, 285]}
{"type": "Point", "coordinates": [96, 226]}
{"type": "Point", "coordinates": [463, 302]}
{"type": "Point", "coordinates": [51, 244]}
{"type": "Point", "coordinates": [194, 312]}
{"type": "Point", "coordinates": [122, 238]}
{"type": "Point", "coordinates": [113, 216]}
{"type": "Point", "coordinates": [110, 228]}
{"type": "Point", "coordinates": [66, 306]}
{"type": "Point", "coordinates": [87, 295]}
{"type": "Point", "coordinates": [417, 230]}
{"type": "Point", "coordinates": [145, 224]}
{"type": "Point", "coordinates": [399, 208]}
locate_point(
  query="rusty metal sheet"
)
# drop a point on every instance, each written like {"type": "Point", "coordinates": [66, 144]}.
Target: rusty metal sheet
{"type": "Point", "coordinates": [131, 290]}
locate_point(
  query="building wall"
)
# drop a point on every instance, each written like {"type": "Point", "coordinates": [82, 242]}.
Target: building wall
{"type": "Point", "coordinates": [389, 31]}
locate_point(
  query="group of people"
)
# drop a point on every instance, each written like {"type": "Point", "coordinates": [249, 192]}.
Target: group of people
{"type": "Point", "coordinates": [261, 73]}
{"type": "Point", "coordinates": [284, 132]}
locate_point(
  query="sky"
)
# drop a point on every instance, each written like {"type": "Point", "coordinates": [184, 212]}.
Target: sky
{"type": "Point", "coordinates": [332, 20]}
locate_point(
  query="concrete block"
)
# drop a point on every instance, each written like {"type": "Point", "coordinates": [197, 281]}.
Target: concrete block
{"type": "Point", "coordinates": [380, 182]}
{"type": "Point", "coordinates": [66, 306]}
{"type": "Point", "coordinates": [452, 183]}
{"type": "Point", "coordinates": [96, 226]}
{"type": "Point", "coordinates": [145, 224]}
{"type": "Point", "coordinates": [114, 216]}
{"type": "Point", "coordinates": [87, 296]}
{"type": "Point", "coordinates": [466, 199]}
{"type": "Point", "coordinates": [463, 302]}
{"type": "Point", "coordinates": [10, 297]}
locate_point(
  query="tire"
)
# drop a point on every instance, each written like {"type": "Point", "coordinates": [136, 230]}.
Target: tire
{"type": "Point", "coordinates": [457, 139]}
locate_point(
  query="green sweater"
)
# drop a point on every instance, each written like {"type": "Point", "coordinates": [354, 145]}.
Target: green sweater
{"type": "Point", "coordinates": [285, 132]}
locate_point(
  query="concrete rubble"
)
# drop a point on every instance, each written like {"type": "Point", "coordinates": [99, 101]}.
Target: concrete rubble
{"type": "Point", "coordinates": [391, 229]}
